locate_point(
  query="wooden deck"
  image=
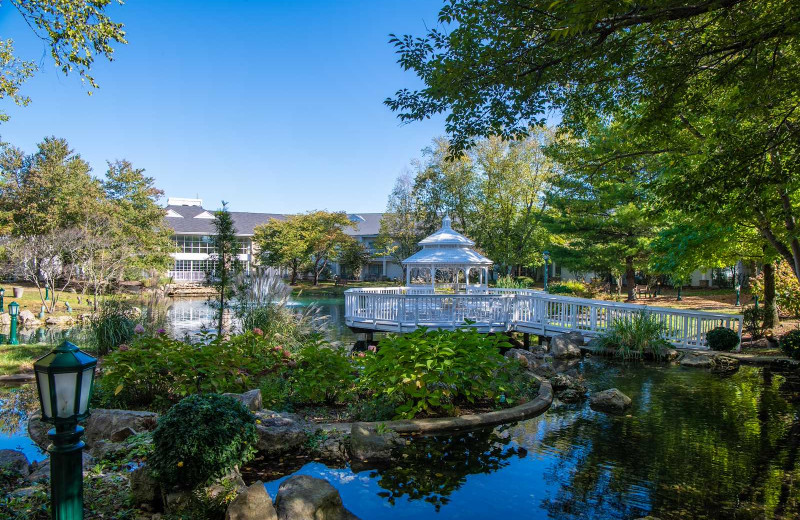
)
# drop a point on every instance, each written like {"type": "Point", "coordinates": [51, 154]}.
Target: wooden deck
{"type": "Point", "coordinates": [404, 309]}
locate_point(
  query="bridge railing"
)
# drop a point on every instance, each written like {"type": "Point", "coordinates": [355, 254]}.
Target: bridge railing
{"type": "Point", "coordinates": [407, 308]}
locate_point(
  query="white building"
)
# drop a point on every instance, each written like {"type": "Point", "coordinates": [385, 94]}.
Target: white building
{"type": "Point", "coordinates": [193, 227]}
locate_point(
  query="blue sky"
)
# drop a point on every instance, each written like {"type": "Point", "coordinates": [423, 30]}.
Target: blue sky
{"type": "Point", "coordinates": [271, 106]}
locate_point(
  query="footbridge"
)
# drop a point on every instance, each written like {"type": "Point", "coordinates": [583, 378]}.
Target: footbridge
{"type": "Point", "coordinates": [404, 309]}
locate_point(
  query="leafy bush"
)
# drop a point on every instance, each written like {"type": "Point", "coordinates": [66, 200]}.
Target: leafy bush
{"type": "Point", "coordinates": [158, 371]}
{"type": "Point", "coordinates": [509, 282]}
{"type": "Point", "coordinates": [635, 336]}
{"type": "Point", "coordinates": [787, 289]}
{"type": "Point", "coordinates": [114, 325]}
{"type": "Point", "coordinates": [753, 322]}
{"type": "Point", "coordinates": [571, 287]}
{"type": "Point", "coordinates": [722, 338]}
{"type": "Point", "coordinates": [201, 438]}
{"type": "Point", "coordinates": [434, 371]}
{"type": "Point", "coordinates": [323, 375]}
{"type": "Point", "coordinates": [790, 344]}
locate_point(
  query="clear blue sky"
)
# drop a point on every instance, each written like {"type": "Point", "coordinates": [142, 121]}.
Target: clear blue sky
{"type": "Point", "coordinates": [271, 106]}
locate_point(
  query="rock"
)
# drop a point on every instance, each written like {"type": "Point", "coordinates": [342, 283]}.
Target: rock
{"type": "Point", "coordinates": [571, 396]}
{"type": "Point", "coordinates": [307, 498]}
{"type": "Point", "coordinates": [725, 364]}
{"type": "Point", "coordinates": [366, 444]}
{"type": "Point", "coordinates": [41, 470]}
{"type": "Point", "coordinates": [145, 491]}
{"type": "Point", "coordinates": [697, 361]}
{"type": "Point", "coordinates": [251, 399]}
{"type": "Point", "coordinates": [5, 319]}
{"type": "Point", "coordinates": [567, 345]}
{"type": "Point", "coordinates": [59, 320]}
{"type": "Point", "coordinates": [15, 461]}
{"type": "Point", "coordinates": [122, 434]}
{"type": "Point", "coordinates": [544, 370]}
{"type": "Point", "coordinates": [280, 432]}
{"type": "Point", "coordinates": [611, 400]}
{"type": "Point", "coordinates": [563, 382]}
{"type": "Point", "coordinates": [106, 449]}
{"type": "Point", "coordinates": [25, 492]}
{"type": "Point", "coordinates": [176, 501]}
{"type": "Point", "coordinates": [253, 504]}
{"type": "Point", "coordinates": [525, 358]}
{"type": "Point", "coordinates": [101, 425]}
{"type": "Point", "coordinates": [27, 318]}
{"type": "Point", "coordinates": [672, 354]}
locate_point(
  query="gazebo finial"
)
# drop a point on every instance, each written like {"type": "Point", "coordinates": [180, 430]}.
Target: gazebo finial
{"type": "Point", "coordinates": [446, 222]}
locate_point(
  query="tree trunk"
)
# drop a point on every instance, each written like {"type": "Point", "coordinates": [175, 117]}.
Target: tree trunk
{"type": "Point", "coordinates": [770, 307]}
{"type": "Point", "coordinates": [630, 278]}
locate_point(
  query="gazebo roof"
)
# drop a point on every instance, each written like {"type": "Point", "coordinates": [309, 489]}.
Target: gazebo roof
{"type": "Point", "coordinates": [447, 247]}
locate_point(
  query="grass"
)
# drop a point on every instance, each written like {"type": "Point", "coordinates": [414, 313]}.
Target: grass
{"type": "Point", "coordinates": [331, 290]}
{"type": "Point", "coordinates": [16, 359]}
{"type": "Point", "coordinates": [31, 301]}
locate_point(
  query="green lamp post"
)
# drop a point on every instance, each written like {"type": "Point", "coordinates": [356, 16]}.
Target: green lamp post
{"type": "Point", "coordinates": [13, 311]}
{"type": "Point", "coordinates": [2, 300]}
{"type": "Point", "coordinates": [46, 293]}
{"type": "Point", "coordinates": [546, 255]}
{"type": "Point", "coordinates": [65, 380]}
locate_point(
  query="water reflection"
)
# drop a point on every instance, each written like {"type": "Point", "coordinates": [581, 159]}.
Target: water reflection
{"type": "Point", "coordinates": [694, 445]}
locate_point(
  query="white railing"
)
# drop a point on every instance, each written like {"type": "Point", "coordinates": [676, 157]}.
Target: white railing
{"type": "Point", "coordinates": [403, 309]}
{"type": "Point", "coordinates": [187, 276]}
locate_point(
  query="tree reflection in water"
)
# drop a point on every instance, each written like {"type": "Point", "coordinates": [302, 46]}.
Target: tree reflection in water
{"type": "Point", "coordinates": [432, 468]}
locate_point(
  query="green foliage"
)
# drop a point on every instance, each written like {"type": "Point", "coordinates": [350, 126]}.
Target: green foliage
{"type": "Point", "coordinates": [790, 344]}
{"type": "Point", "coordinates": [380, 407]}
{"type": "Point", "coordinates": [509, 282]}
{"type": "Point", "coordinates": [722, 338]}
{"type": "Point", "coordinates": [225, 260]}
{"type": "Point", "coordinates": [353, 257]}
{"type": "Point", "coordinates": [570, 287]}
{"type": "Point", "coordinates": [435, 371]}
{"type": "Point", "coordinates": [635, 336]}
{"type": "Point", "coordinates": [323, 375]}
{"type": "Point", "coordinates": [753, 321]}
{"type": "Point", "coordinates": [114, 325]}
{"type": "Point", "coordinates": [787, 290]}
{"type": "Point", "coordinates": [201, 438]}
{"type": "Point", "coordinates": [154, 372]}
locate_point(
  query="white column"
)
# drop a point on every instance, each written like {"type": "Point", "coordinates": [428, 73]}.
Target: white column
{"type": "Point", "coordinates": [433, 277]}
{"type": "Point", "coordinates": [408, 275]}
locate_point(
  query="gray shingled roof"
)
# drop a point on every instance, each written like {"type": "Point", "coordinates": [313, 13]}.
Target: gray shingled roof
{"type": "Point", "coordinates": [364, 223]}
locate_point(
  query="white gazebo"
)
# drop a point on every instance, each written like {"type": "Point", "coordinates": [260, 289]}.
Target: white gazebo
{"type": "Point", "coordinates": [450, 251]}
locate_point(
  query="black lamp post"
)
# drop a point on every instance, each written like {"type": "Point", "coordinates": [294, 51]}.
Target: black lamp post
{"type": "Point", "coordinates": [13, 312]}
{"type": "Point", "coordinates": [546, 255]}
{"type": "Point", "coordinates": [65, 380]}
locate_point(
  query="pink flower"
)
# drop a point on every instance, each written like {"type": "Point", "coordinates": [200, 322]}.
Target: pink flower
{"type": "Point", "coordinates": [287, 354]}
{"type": "Point", "coordinates": [361, 354]}
{"type": "Point", "coordinates": [372, 348]}
{"type": "Point", "coordinates": [124, 347]}
{"type": "Point", "coordinates": [258, 332]}
{"type": "Point", "coordinates": [277, 348]}
{"type": "Point", "coordinates": [138, 329]}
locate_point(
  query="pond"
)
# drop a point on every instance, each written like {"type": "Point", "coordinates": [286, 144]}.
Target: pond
{"type": "Point", "coordinates": [694, 445]}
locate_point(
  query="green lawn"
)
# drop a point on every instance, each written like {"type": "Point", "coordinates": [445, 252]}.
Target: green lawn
{"type": "Point", "coordinates": [331, 290]}
{"type": "Point", "coordinates": [15, 359]}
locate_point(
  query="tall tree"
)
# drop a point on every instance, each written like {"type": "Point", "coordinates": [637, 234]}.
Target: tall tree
{"type": "Point", "coordinates": [74, 30]}
{"type": "Point", "coordinates": [324, 234]}
{"type": "Point", "coordinates": [225, 261]}
{"type": "Point", "coordinates": [400, 229]}
{"type": "Point", "coordinates": [281, 244]}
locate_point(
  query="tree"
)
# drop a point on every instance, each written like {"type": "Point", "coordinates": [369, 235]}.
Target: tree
{"type": "Point", "coordinates": [324, 234]}
{"type": "Point", "coordinates": [707, 89]}
{"type": "Point", "coordinates": [225, 261]}
{"type": "Point", "coordinates": [48, 261]}
{"type": "Point", "coordinates": [354, 256]}
{"type": "Point", "coordinates": [282, 245]}
{"type": "Point", "coordinates": [400, 231]}
{"type": "Point", "coordinates": [104, 253]}
{"type": "Point", "coordinates": [74, 30]}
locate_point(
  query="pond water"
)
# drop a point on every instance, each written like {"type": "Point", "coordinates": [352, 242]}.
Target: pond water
{"type": "Point", "coordinates": [694, 445]}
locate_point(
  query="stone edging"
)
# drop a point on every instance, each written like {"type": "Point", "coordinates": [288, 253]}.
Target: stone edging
{"type": "Point", "coordinates": [742, 357]}
{"type": "Point", "coordinates": [532, 408]}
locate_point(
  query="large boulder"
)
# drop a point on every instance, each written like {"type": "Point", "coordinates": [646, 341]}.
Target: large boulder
{"type": "Point", "coordinates": [251, 399]}
{"type": "Point", "coordinates": [61, 321]}
{"type": "Point", "coordinates": [566, 345]}
{"type": "Point", "coordinates": [525, 358]}
{"type": "Point", "coordinates": [252, 504]}
{"type": "Point", "coordinates": [41, 470]}
{"type": "Point", "coordinates": [697, 361]}
{"type": "Point", "coordinates": [145, 491]}
{"type": "Point", "coordinates": [102, 424]}
{"type": "Point", "coordinates": [367, 444]}
{"type": "Point", "coordinates": [611, 400]}
{"type": "Point", "coordinates": [280, 433]}
{"type": "Point", "coordinates": [15, 461]}
{"type": "Point", "coordinates": [307, 498]}
{"type": "Point", "coordinates": [28, 318]}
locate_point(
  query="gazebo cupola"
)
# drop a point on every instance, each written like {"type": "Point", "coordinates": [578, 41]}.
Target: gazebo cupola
{"type": "Point", "coordinates": [447, 251]}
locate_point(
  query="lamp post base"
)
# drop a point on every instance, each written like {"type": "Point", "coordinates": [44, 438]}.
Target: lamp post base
{"type": "Point", "coordinates": [66, 473]}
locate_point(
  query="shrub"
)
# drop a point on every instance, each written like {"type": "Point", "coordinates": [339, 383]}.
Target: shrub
{"type": "Point", "coordinates": [634, 336]}
{"type": "Point", "coordinates": [201, 438]}
{"type": "Point", "coordinates": [509, 282]}
{"type": "Point", "coordinates": [787, 289]}
{"type": "Point", "coordinates": [790, 344]}
{"type": "Point", "coordinates": [114, 325]}
{"type": "Point", "coordinates": [434, 371]}
{"type": "Point", "coordinates": [722, 338]}
{"type": "Point", "coordinates": [155, 371]}
{"type": "Point", "coordinates": [323, 375]}
{"type": "Point", "coordinates": [571, 287]}
{"type": "Point", "coordinates": [753, 322]}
